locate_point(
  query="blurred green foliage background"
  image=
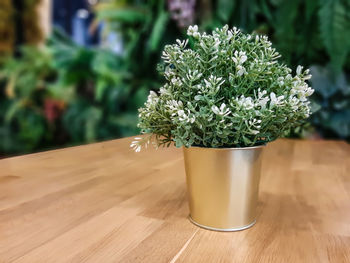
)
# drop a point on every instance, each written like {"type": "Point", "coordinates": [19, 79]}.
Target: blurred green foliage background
{"type": "Point", "coordinates": [61, 94]}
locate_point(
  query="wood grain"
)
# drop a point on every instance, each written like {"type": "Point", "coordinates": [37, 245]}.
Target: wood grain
{"type": "Point", "coordinates": [105, 203]}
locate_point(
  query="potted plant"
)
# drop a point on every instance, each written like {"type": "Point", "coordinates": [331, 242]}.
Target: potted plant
{"type": "Point", "coordinates": [225, 97]}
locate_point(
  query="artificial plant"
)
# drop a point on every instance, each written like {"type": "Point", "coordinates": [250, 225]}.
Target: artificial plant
{"type": "Point", "coordinates": [227, 90]}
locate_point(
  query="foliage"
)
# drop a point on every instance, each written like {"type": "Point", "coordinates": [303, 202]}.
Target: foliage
{"type": "Point", "coordinates": [64, 93]}
{"type": "Point", "coordinates": [23, 125]}
{"type": "Point", "coordinates": [335, 30]}
{"type": "Point", "coordinates": [145, 28]}
{"type": "Point", "coordinates": [107, 88]}
{"type": "Point", "coordinates": [228, 90]}
{"type": "Point", "coordinates": [305, 32]}
{"type": "Point", "coordinates": [333, 95]}
{"type": "Point", "coordinates": [92, 83]}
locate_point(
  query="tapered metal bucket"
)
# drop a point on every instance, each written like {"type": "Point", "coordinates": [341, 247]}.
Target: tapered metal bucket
{"type": "Point", "coordinates": [223, 186]}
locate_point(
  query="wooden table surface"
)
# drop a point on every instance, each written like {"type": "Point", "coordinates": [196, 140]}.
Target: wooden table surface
{"type": "Point", "coordinates": [105, 203]}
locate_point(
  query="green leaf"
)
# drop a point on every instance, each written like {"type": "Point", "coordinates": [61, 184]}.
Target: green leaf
{"type": "Point", "coordinates": [334, 19]}
{"type": "Point", "coordinates": [246, 140]}
{"type": "Point", "coordinates": [126, 15]}
{"type": "Point", "coordinates": [340, 123]}
{"type": "Point", "coordinates": [266, 10]}
{"type": "Point", "coordinates": [32, 129]}
{"type": "Point", "coordinates": [158, 31]}
{"type": "Point", "coordinates": [125, 119]}
{"type": "Point", "coordinates": [286, 15]}
{"type": "Point", "coordinates": [13, 110]}
{"type": "Point", "coordinates": [139, 98]}
{"type": "Point", "coordinates": [93, 116]}
{"type": "Point", "coordinates": [326, 83]}
{"type": "Point", "coordinates": [310, 8]}
{"type": "Point", "coordinates": [225, 9]}
{"type": "Point", "coordinates": [101, 86]}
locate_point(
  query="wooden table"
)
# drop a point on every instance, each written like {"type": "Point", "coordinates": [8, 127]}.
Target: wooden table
{"type": "Point", "coordinates": [105, 203]}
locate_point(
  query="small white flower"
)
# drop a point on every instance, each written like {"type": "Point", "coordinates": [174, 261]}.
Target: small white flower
{"type": "Point", "coordinates": [152, 99]}
{"type": "Point", "coordinates": [254, 125]}
{"type": "Point", "coordinates": [182, 44]}
{"type": "Point", "coordinates": [307, 77]}
{"type": "Point", "coordinates": [276, 100]}
{"type": "Point", "coordinates": [164, 91]}
{"type": "Point", "coordinates": [176, 82]}
{"type": "Point", "coordinates": [223, 111]}
{"type": "Point", "coordinates": [186, 117]}
{"type": "Point", "coordinates": [215, 109]}
{"type": "Point", "coordinates": [193, 75]}
{"type": "Point", "coordinates": [241, 70]}
{"type": "Point", "coordinates": [280, 81]}
{"type": "Point", "coordinates": [262, 102]}
{"type": "Point", "coordinates": [245, 102]}
{"type": "Point", "coordinates": [261, 93]}
{"type": "Point", "coordinates": [239, 57]}
{"type": "Point", "coordinates": [243, 58]}
{"type": "Point", "coordinates": [136, 145]}
{"type": "Point", "coordinates": [193, 31]}
{"type": "Point", "coordinates": [299, 69]}
{"type": "Point", "coordinates": [294, 103]}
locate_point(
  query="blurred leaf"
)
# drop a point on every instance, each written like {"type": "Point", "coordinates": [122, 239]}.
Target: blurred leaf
{"type": "Point", "coordinates": [322, 81]}
{"type": "Point", "coordinates": [93, 116]}
{"type": "Point", "coordinates": [315, 107]}
{"type": "Point", "coordinates": [284, 25]}
{"type": "Point", "coordinates": [334, 19]}
{"type": "Point", "coordinates": [61, 91]}
{"type": "Point", "coordinates": [13, 109]}
{"type": "Point", "coordinates": [158, 30]}
{"type": "Point", "coordinates": [277, 2]}
{"type": "Point", "coordinates": [225, 9]}
{"type": "Point", "coordinates": [266, 10]}
{"type": "Point", "coordinates": [100, 88]}
{"type": "Point", "coordinates": [310, 8]}
{"type": "Point", "coordinates": [125, 15]}
{"type": "Point", "coordinates": [32, 129]}
{"type": "Point", "coordinates": [340, 123]}
{"type": "Point", "coordinates": [139, 98]}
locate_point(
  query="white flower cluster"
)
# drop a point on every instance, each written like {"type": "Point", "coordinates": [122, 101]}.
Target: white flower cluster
{"type": "Point", "coordinates": [176, 110]}
{"type": "Point", "coordinates": [211, 85]}
{"type": "Point", "coordinates": [222, 111]}
{"type": "Point", "coordinates": [193, 31]}
{"type": "Point", "coordinates": [239, 58]}
{"type": "Point", "coordinates": [228, 90]}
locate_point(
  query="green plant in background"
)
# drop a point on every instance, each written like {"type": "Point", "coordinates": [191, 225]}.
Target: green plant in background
{"type": "Point", "coordinates": [93, 83]}
{"type": "Point", "coordinates": [306, 32]}
{"type": "Point", "coordinates": [92, 94]}
{"type": "Point", "coordinates": [145, 28]}
{"type": "Point", "coordinates": [23, 124]}
{"type": "Point", "coordinates": [65, 93]}
{"type": "Point", "coordinates": [228, 90]}
{"type": "Point", "coordinates": [333, 96]}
